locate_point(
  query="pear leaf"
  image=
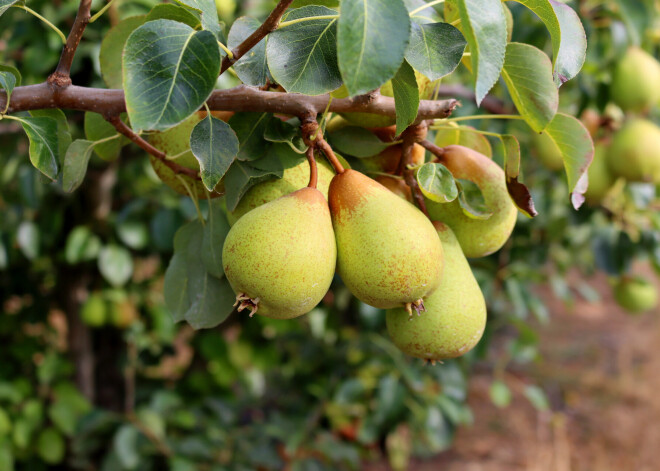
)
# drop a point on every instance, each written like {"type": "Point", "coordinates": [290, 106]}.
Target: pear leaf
{"type": "Point", "coordinates": [242, 176]}
{"type": "Point", "coordinates": [169, 11]}
{"type": "Point", "coordinates": [44, 146]}
{"type": "Point", "coordinates": [435, 49]}
{"type": "Point", "coordinates": [5, 4]}
{"type": "Point", "coordinates": [437, 183]}
{"type": "Point", "coordinates": [518, 192]}
{"type": "Point", "coordinates": [76, 160]}
{"type": "Point", "coordinates": [112, 48]}
{"type": "Point", "coordinates": [7, 83]}
{"type": "Point", "coordinates": [471, 200]}
{"type": "Point", "coordinates": [252, 68]}
{"type": "Point", "coordinates": [406, 97]}
{"type": "Point", "coordinates": [250, 129]}
{"type": "Point", "coordinates": [357, 142]}
{"type": "Point", "coordinates": [215, 145]}
{"type": "Point", "coordinates": [209, 14]}
{"type": "Point", "coordinates": [215, 231]}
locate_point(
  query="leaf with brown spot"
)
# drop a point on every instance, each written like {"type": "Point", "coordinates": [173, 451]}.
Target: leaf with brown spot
{"type": "Point", "coordinates": [518, 191]}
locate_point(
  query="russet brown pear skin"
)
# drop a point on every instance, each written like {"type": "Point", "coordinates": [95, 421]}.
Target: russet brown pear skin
{"type": "Point", "coordinates": [388, 253]}
{"type": "Point", "coordinates": [455, 315]}
{"type": "Point", "coordinates": [280, 257]}
{"type": "Point", "coordinates": [478, 237]}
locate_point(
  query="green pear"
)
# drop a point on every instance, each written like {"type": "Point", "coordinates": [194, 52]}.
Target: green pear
{"type": "Point", "coordinates": [294, 178]}
{"type": "Point", "coordinates": [176, 142]}
{"type": "Point", "coordinates": [547, 152]}
{"type": "Point", "coordinates": [478, 237]}
{"type": "Point", "coordinates": [635, 152]}
{"type": "Point", "coordinates": [280, 257]}
{"type": "Point", "coordinates": [94, 312]}
{"type": "Point", "coordinates": [387, 250]}
{"type": "Point", "coordinates": [636, 294]}
{"type": "Point", "coordinates": [455, 314]}
{"type": "Point", "coordinates": [636, 81]}
{"type": "Point", "coordinates": [600, 178]}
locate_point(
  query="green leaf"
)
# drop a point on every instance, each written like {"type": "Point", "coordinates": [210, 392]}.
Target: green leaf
{"type": "Point", "coordinates": [97, 128]}
{"type": "Point", "coordinates": [215, 231]}
{"type": "Point", "coordinates": [471, 200]}
{"type": "Point", "coordinates": [372, 37]}
{"type": "Point", "coordinates": [51, 446]}
{"type": "Point", "coordinates": [44, 150]}
{"type": "Point", "coordinates": [243, 176]}
{"type": "Point", "coordinates": [6, 456]}
{"type": "Point", "coordinates": [115, 264]}
{"type": "Point", "coordinates": [63, 132]}
{"type": "Point", "coordinates": [435, 49]}
{"type": "Point", "coordinates": [577, 151]}
{"type": "Point", "coordinates": [518, 192]}
{"type": "Point", "coordinates": [6, 4]}
{"type": "Point", "coordinates": [285, 132]}
{"type": "Point", "coordinates": [406, 97]}
{"type": "Point", "coordinates": [500, 394]}
{"type": "Point", "coordinates": [357, 142]}
{"type": "Point", "coordinates": [527, 73]}
{"type": "Point", "coordinates": [252, 68]}
{"type": "Point", "coordinates": [437, 183]}
{"type": "Point", "coordinates": [14, 71]}
{"type": "Point", "coordinates": [27, 238]}
{"type": "Point", "coordinates": [303, 57]}
{"type": "Point", "coordinates": [537, 397]}
{"type": "Point", "coordinates": [7, 83]}
{"type": "Point", "coordinates": [569, 42]}
{"type": "Point", "coordinates": [76, 160]}
{"type": "Point", "coordinates": [638, 17]}
{"type": "Point", "coordinates": [215, 145]}
{"type": "Point", "coordinates": [169, 11]}
{"type": "Point", "coordinates": [133, 234]}
{"type": "Point", "coordinates": [209, 13]}
{"type": "Point", "coordinates": [250, 128]}
{"type": "Point", "coordinates": [124, 444]}
{"type": "Point", "coordinates": [169, 71]}
{"type": "Point", "coordinates": [427, 15]}
{"type": "Point", "coordinates": [68, 408]}
{"type": "Point", "coordinates": [82, 245]}
{"type": "Point", "coordinates": [112, 48]}
{"type": "Point", "coordinates": [484, 25]}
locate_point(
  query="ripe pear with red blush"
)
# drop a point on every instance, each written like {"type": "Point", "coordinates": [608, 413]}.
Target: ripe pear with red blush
{"type": "Point", "coordinates": [388, 253]}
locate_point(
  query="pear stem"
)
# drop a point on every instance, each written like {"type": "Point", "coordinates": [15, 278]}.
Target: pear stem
{"type": "Point", "coordinates": [330, 155]}
{"type": "Point", "coordinates": [439, 152]}
{"type": "Point", "coordinates": [312, 168]}
{"type": "Point", "coordinates": [411, 136]}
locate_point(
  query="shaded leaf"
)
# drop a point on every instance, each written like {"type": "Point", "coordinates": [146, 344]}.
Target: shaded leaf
{"type": "Point", "coordinates": [215, 231]}
{"type": "Point", "coordinates": [97, 128]}
{"type": "Point", "coordinates": [252, 68]}
{"type": "Point", "coordinates": [44, 150]}
{"type": "Point", "coordinates": [435, 49]}
{"type": "Point", "coordinates": [7, 83]}
{"type": "Point", "coordinates": [518, 192]}
{"type": "Point", "coordinates": [63, 132]}
{"type": "Point", "coordinates": [406, 97]}
{"type": "Point", "coordinates": [14, 71]}
{"type": "Point", "coordinates": [169, 11]}
{"type": "Point", "coordinates": [285, 132]}
{"type": "Point", "coordinates": [243, 176]}
{"type": "Point", "coordinates": [357, 142]}
{"type": "Point", "coordinates": [471, 200]}
{"type": "Point", "coordinates": [115, 264]}
{"type": "Point", "coordinates": [169, 71]}
{"type": "Point", "coordinates": [209, 14]}
{"type": "Point", "coordinates": [372, 37]}
{"type": "Point", "coordinates": [124, 444]}
{"type": "Point", "coordinates": [82, 245]}
{"type": "Point", "coordinates": [437, 183]}
{"type": "Point", "coordinates": [250, 128]}
{"type": "Point", "coordinates": [303, 57]}
{"type": "Point", "coordinates": [112, 48]}
{"type": "Point", "coordinates": [484, 26]}
{"type": "Point", "coordinates": [527, 73]}
{"type": "Point", "coordinates": [215, 145]}
{"type": "Point", "coordinates": [76, 160]}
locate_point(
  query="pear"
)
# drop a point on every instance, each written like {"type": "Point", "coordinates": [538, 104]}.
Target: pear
{"type": "Point", "coordinates": [94, 312]}
{"type": "Point", "coordinates": [600, 178]}
{"type": "Point", "coordinates": [396, 186]}
{"type": "Point", "coordinates": [478, 237]}
{"type": "Point", "coordinates": [636, 81]}
{"type": "Point", "coordinates": [636, 294]}
{"type": "Point", "coordinates": [547, 152]}
{"type": "Point", "coordinates": [455, 314]}
{"type": "Point", "coordinates": [294, 178]}
{"type": "Point", "coordinates": [389, 159]}
{"type": "Point", "coordinates": [635, 151]}
{"type": "Point", "coordinates": [176, 142]}
{"type": "Point", "coordinates": [387, 250]}
{"type": "Point", "coordinates": [280, 257]}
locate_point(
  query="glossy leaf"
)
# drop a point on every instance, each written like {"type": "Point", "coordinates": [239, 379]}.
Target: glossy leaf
{"type": "Point", "coordinates": [527, 73]}
{"type": "Point", "coordinates": [169, 11]}
{"type": "Point", "coordinates": [215, 145]}
{"type": "Point", "coordinates": [44, 150]}
{"type": "Point", "coordinates": [115, 264]}
{"type": "Point", "coordinates": [471, 200]}
{"type": "Point", "coordinates": [357, 142]}
{"type": "Point", "coordinates": [518, 192]}
{"type": "Point", "coordinates": [7, 83]}
{"type": "Point", "coordinates": [435, 49]}
{"type": "Point", "coordinates": [215, 231]}
{"type": "Point", "coordinates": [169, 71]}
{"type": "Point", "coordinates": [437, 183]}
{"type": "Point", "coordinates": [484, 25]}
{"type": "Point", "coordinates": [112, 48]}
{"type": "Point", "coordinates": [372, 37]}
{"type": "Point", "coordinates": [250, 128]}
{"type": "Point", "coordinates": [243, 176]}
{"type": "Point", "coordinates": [302, 57]}
{"type": "Point", "coordinates": [76, 160]}
{"type": "Point", "coordinates": [406, 97]}
{"type": "Point", "coordinates": [252, 68]}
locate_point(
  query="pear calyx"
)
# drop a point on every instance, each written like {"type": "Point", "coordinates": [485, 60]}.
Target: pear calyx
{"type": "Point", "coordinates": [243, 301]}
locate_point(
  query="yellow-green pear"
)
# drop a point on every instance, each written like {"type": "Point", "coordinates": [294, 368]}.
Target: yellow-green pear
{"type": "Point", "coordinates": [455, 315]}
{"type": "Point", "coordinates": [94, 312]}
{"type": "Point", "coordinates": [388, 253]}
{"type": "Point", "coordinates": [636, 295]}
{"type": "Point", "coordinates": [176, 142]}
{"type": "Point", "coordinates": [600, 178]}
{"type": "Point", "coordinates": [478, 237]}
{"type": "Point", "coordinates": [293, 178]}
{"type": "Point", "coordinates": [547, 152]}
{"type": "Point", "coordinates": [396, 185]}
{"type": "Point", "coordinates": [635, 152]}
{"type": "Point", "coordinates": [636, 81]}
{"type": "Point", "coordinates": [280, 257]}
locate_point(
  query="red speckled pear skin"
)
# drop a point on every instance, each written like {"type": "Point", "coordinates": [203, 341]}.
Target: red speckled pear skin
{"type": "Point", "coordinates": [455, 315]}
{"type": "Point", "coordinates": [283, 253]}
{"type": "Point", "coordinates": [388, 253]}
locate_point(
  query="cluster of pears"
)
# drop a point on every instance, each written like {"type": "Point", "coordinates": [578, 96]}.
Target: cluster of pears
{"type": "Point", "coordinates": [284, 247]}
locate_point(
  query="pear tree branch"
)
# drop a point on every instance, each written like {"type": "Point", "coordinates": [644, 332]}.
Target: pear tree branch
{"type": "Point", "coordinates": [61, 77]}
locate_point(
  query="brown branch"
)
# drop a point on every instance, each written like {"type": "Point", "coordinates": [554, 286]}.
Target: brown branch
{"type": "Point", "coordinates": [490, 103]}
{"type": "Point", "coordinates": [61, 77]}
{"type": "Point", "coordinates": [242, 98]}
{"type": "Point", "coordinates": [411, 136]}
{"type": "Point", "coordinates": [266, 27]}
{"type": "Point", "coordinates": [122, 128]}
{"type": "Point", "coordinates": [439, 152]}
{"type": "Point", "coordinates": [313, 174]}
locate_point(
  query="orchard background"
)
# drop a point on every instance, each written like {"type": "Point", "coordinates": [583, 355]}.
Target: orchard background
{"type": "Point", "coordinates": [101, 369]}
